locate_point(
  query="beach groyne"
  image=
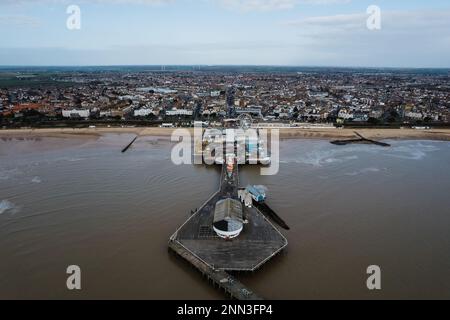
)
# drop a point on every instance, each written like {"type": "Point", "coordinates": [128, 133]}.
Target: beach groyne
{"type": "Point", "coordinates": [128, 146]}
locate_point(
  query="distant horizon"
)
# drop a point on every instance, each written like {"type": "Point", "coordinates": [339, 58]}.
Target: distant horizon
{"type": "Point", "coordinates": [218, 65]}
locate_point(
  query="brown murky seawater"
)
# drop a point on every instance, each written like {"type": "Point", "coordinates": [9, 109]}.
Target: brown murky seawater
{"type": "Point", "coordinates": [80, 201]}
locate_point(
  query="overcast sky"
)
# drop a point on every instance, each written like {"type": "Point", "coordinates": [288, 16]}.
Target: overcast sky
{"type": "Point", "coordinates": [414, 33]}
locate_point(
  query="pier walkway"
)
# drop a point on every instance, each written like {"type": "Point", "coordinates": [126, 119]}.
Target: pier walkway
{"type": "Point", "coordinates": [259, 241]}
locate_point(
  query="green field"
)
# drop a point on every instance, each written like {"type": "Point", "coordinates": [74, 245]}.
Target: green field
{"type": "Point", "coordinates": [29, 80]}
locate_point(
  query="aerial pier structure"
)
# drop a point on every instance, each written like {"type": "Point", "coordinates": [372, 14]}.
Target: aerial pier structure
{"type": "Point", "coordinates": [224, 235]}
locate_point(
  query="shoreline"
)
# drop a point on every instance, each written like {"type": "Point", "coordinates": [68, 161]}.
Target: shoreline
{"type": "Point", "coordinates": [294, 133]}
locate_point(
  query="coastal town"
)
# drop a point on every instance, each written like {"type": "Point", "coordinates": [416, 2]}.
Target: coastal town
{"type": "Point", "coordinates": [165, 97]}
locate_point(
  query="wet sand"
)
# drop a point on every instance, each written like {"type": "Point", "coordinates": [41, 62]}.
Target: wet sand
{"type": "Point", "coordinates": [377, 134]}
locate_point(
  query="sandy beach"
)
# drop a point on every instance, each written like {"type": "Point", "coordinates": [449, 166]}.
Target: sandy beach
{"type": "Point", "coordinates": [295, 133]}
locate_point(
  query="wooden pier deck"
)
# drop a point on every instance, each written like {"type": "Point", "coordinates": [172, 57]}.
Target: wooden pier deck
{"type": "Point", "coordinates": [221, 279]}
{"type": "Point", "coordinates": [259, 241]}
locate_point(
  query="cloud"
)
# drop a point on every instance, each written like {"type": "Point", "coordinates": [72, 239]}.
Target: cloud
{"type": "Point", "coordinates": [144, 2]}
{"type": "Point", "coordinates": [257, 5]}
{"type": "Point", "coordinates": [392, 22]}
{"type": "Point", "coordinates": [406, 38]}
{"type": "Point", "coordinates": [138, 2]}
{"type": "Point", "coordinates": [270, 5]}
{"type": "Point", "coordinates": [235, 5]}
{"type": "Point", "coordinates": [18, 20]}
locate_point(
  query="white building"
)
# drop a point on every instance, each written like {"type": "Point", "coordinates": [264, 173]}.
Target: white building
{"type": "Point", "coordinates": [143, 112]}
{"type": "Point", "coordinates": [76, 113]}
{"type": "Point", "coordinates": [343, 114]}
{"type": "Point", "coordinates": [414, 115]}
{"type": "Point", "coordinates": [179, 112]}
{"type": "Point", "coordinates": [105, 114]}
